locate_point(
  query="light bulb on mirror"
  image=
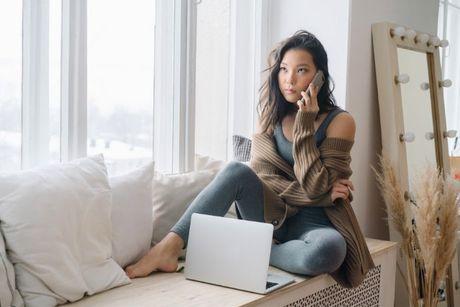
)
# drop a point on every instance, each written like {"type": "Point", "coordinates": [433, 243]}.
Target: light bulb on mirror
{"type": "Point", "coordinates": [407, 137]}
{"type": "Point", "coordinates": [425, 86]}
{"type": "Point", "coordinates": [445, 83]}
{"type": "Point", "coordinates": [402, 78]}
{"type": "Point", "coordinates": [429, 136]}
{"type": "Point", "coordinates": [410, 34]}
{"type": "Point", "coordinates": [450, 134]}
{"type": "Point", "coordinates": [422, 38]}
{"type": "Point", "coordinates": [444, 43]}
{"type": "Point", "coordinates": [434, 41]}
{"type": "Point", "coordinates": [398, 32]}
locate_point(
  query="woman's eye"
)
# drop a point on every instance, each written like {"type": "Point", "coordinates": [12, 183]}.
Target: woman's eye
{"type": "Point", "coordinates": [283, 68]}
{"type": "Point", "coordinates": [302, 70]}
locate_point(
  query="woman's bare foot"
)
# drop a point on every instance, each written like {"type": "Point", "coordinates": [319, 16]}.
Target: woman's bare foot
{"type": "Point", "coordinates": [162, 257]}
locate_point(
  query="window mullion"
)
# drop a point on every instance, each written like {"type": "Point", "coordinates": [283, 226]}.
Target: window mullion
{"type": "Point", "coordinates": [170, 132]}
{"type": "Point", "coordinates": [35, 89]}
{"type": "Point", "coordinates": [248, 41]}
{"type": "Point", "coordinates": [73, 80]}
{"type": "Point", "coordinates": [190, 75]}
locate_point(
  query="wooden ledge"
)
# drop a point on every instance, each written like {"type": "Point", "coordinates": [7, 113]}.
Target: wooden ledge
{"type": "Point", "coordinates": [172, 289]}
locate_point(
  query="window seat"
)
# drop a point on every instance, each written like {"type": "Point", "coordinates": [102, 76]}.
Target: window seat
{"type": "Point", "coordinates": [172, 289]}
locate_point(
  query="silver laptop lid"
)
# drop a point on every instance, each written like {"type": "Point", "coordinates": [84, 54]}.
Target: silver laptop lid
{"type": "Point", "coordinates": [229, 252]}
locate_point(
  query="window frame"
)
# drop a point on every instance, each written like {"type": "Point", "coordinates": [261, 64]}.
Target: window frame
{"type": "Point", "coordinates": [74, 80]}
{"type": "Point", "coordinates": [35, 83]}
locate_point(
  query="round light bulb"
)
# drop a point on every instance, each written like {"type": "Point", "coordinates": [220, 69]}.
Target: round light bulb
{"type": "Point", "coordinates": [410, 34]}
{"type": "Point", "coordinates": [422, 38]}
{"type": "Point", "coordinates": [398, 31]}
{"type": "Point", "coordinates": [425, 86]}
{"type": "Point", "coordinates": [434, 41]}
{"type": "Point", "coordinates": [450, 134]}
{"type": "Point", "coordinates": [444, 43]}
{"type": "Point", "coordinates": [402, 78]}
{"type": "Point", "coordinates": [429, 136]}
{"type": "Point", "coordinates": [445, 83]}
{"type": "Point", "coordinates": [407, 137]}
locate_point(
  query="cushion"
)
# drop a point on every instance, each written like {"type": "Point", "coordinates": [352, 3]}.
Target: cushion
{"type": "Point", "coordinates": [241, 148]}
{"type": "Point", "coordinates": [9, 295]}
{"type": "Point", "coordinates": [56, 221]}
{"type": "Point", "coordinates": [131, 214]}
{"type": "Point", "coordinates": [207, 163]}
{"type": "Point", "coordinates": [172, 194]}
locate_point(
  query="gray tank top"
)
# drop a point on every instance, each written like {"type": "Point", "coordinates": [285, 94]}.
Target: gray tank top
{"type": "Point", "coordinates": [284, 146]}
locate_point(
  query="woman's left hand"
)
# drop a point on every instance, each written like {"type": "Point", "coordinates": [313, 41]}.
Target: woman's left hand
{"type": "Point", "coordinates": [341, 189]}
{"type": "Point", "coordinates": [309, 104]}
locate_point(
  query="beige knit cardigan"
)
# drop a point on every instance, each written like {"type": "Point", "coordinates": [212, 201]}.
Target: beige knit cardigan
{"type": "Point", "coordinates": [308, 183]}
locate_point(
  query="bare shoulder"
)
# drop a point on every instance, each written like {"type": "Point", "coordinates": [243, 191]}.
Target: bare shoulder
{"type": "Point", "coordinates": [342, 126]}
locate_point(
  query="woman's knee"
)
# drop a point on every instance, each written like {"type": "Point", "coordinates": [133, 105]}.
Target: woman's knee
{"type": "Point", "coordinates": [235, 169]}
{"type": "Point", "coordinates": [332, 249]}
{"type": "Point", "coordinates": [326, 250]}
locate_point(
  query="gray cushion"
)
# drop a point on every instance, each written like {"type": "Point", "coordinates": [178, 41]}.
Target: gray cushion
{"type": "Point", "coordinates": [241, 148]}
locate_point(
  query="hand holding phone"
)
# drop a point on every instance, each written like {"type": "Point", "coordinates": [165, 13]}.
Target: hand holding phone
{"type": "Point", "coordinates": [318, 81]}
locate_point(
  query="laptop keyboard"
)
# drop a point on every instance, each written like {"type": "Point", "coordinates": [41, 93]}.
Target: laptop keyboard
{"type": "Point", "coordinates": [270, 284]}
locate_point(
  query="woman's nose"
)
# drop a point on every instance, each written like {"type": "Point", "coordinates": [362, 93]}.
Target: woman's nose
{"type": "Point", "coordinates": [290, 79]}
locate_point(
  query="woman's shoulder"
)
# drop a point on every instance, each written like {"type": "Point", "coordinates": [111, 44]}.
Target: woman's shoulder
{"type": "Point", "coordinates": [342, 126]}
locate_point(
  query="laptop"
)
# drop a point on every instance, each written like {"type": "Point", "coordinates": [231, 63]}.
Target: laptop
{"type": "Point", "coordinates": [232, 253]}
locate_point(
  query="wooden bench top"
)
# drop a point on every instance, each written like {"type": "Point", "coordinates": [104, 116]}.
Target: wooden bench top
{"type": "Point", "coordinates": [172, 289]}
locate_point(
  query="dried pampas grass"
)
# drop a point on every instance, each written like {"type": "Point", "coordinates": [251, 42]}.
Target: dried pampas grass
{"type": "Point", "coordinates": [429, 242]}
{"type": "Point", "coordinates": [401, 220]}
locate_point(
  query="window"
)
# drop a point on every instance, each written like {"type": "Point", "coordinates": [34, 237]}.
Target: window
{"type": "Point", "coordinates": [77, 78]}
{"type": "Point", "coordinates": [120, 81]}
{"type": "Point", "coordinates": [212, 78]}
{"type": "Point", "coordinates": [10, 84]}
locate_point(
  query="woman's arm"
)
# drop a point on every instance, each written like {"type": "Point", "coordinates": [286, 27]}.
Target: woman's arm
{"type": "Point", "coordinates": [288, 189]}
{"type": "Point", "coordinates": [317, 169]}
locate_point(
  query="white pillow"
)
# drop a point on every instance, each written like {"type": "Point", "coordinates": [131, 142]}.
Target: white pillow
{"type": "Point", "coordinates": [9, 295]}
{"type": "Point", "coordinates": [172, 194]}
{"type": "Point", "coordinates": [131, 214]}
{"type": "Point", "coordinates": [57, 226]}
{"type": "Point", "coordinates": [208, 163]}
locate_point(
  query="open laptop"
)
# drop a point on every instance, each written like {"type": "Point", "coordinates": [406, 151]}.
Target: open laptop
{"type": "Point", "coordinates": [232, 253]}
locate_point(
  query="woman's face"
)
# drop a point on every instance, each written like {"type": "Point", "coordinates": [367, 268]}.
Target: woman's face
{"type": "Point", "coordinates": [297, 69]}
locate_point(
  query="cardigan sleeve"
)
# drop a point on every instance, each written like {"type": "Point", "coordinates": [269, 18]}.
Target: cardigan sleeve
{"type": "Point", "coordinates": [286, 188]}
{"type": "Point", "coordinates": [316, 169]}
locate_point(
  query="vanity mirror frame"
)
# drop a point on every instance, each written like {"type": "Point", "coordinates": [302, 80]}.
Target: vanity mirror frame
{"type": "Point", "coordinates": [387, 38]}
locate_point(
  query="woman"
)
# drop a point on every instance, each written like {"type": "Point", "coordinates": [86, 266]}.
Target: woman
{"type": "Point", "coordinates": [298, 179]}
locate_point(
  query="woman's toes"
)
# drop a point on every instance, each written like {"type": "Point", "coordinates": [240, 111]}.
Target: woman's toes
{"type": "Point", "coordinates": [130, 271]}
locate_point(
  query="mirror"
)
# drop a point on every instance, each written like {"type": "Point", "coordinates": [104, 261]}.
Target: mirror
{"type": "Point", "coordinates": [413, 122]}
{"type": "Point", "coordinates": [416, 109]}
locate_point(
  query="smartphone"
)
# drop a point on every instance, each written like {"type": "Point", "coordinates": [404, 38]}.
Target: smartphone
{"type": "Point", "coordinates": [318, 81]}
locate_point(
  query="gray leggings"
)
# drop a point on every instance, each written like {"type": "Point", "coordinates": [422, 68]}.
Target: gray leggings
{"type": "Point", "coordinates": [309, 245]}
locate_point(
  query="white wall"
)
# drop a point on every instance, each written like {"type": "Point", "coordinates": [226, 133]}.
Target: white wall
{"type": "Point", "coordinates": [327, 19]}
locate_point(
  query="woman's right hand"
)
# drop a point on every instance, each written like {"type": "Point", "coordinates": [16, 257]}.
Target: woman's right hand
{"type": "Point", "coordinates": [341, 189]}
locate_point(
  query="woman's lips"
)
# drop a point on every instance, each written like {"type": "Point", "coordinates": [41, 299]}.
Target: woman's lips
{"type": "Point", "coordinates": [289, 91]}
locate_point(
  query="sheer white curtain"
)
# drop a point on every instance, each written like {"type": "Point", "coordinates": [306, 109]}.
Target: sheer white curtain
{"type": "Point", "coordinates": [449, 28]}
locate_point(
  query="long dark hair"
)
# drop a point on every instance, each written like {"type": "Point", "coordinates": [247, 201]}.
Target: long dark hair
{"type": "Point", "coordinates": [272, 106]}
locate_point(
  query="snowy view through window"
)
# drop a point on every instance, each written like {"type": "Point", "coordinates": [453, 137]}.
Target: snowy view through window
{"type": "Point", "coordinates": [10, 84]}
{"type": "Point", "coordinates": [120, 82]}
